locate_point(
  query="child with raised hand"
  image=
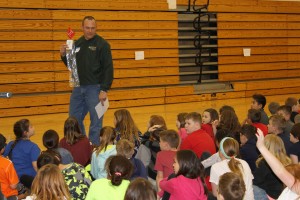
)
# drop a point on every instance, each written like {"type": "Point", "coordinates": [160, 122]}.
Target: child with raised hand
{"type": "Point", "coordinates": [180, 124]}
{"type": "Point", "coordinates": [75, 142]}
{"type": "Point", "coordinates": [231, 187]}
{"type": "Point", "coordinates": [49, 184]}
{"type": "Point", "coordinates": [140, 188]}
{"type": "Point", "coordinates": [22, 152]}
{"type": "Point", "coordinates": [229, 150]}
{"type": "Point", "coordinates": [119, 170]}
{"type": "Point", "coordinates": [126, 149]}
{"type": "Point", "coordinates": [169, 141]}
{"type": "Point", "coordinates": [295, 148]}
{"type": "Point", "coordinates": [265, 183]}
{"type": "Point", "coordinates": [291, 181]}
{"type": "Point", "coordinates": [105, 150]}
{"type": "Point", "coordinates": [126, 128]}
{"type": "Point", "coordinates": [189, 178]}
{"type": "Point", "coordinates": [51, 140]}
{"type": "Point", "coordinates": [209, 118]}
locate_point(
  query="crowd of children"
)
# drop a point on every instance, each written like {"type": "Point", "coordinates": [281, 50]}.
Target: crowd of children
{"type": "Point", "coordinates": [212, 156]}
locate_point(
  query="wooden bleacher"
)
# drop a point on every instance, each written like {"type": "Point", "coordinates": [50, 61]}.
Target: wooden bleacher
{"type": "Point", "coordinates": [32, 31]}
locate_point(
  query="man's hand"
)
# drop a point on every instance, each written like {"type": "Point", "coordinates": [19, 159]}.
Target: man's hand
{"type": "Point", "coordinates": [63, 50]}
{"type": "Point", "coordinates": [102, 97]}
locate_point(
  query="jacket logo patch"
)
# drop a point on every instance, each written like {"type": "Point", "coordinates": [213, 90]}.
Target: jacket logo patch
{"type": "Point", "coordinates": [77, 49]}
{"type": "Point", "coordinates": [92, 48]}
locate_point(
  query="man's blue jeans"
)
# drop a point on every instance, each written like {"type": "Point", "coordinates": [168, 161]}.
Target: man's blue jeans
{"type": "Point", "coordinates": [83, 100]}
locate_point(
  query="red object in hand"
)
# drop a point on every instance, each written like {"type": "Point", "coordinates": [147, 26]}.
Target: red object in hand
{"type": "Point", "coordinates": [70, 33]}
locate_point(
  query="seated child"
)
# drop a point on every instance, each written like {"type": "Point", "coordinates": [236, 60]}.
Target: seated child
{"type": "Point", "coordinates": [197, 140]}
{"type": "Point", "coordinates": [231, 187]}
{"type": "Point", "coordinates": [253, 119]}
{"type": "Point", "coordinates": [229, 149]}
{"type": "Point", "coordinates": [273, 107]}
{"type": "Point", "coordinates": [75, 142]}
{"type": "Point", "coordinates": [276, 126]}
{"type": "Point", "coordinates": [22, 152]}
{"type": "Point", "coordinates": [119, 170]}
{"type": "Point", "coordinates": [248, 151]}
{"type": "Point", "coordinates": [49, 184]}
{"type": "Point", "coordinates": [294, 104]}
{"type": "Point", "coordinates": [295, 148]}
{"type": "Point", "coordinates": [169, 141]}
{"type": "Point", "coordinates": [8, 176]}
{"type": "Point", "coordinates": [209, 116]}
{"type": "Point", "coordinates": [188, 182]}
{"type": "Point", "coordinates": [148, 151]}
{"type": "Point", "coordinates": [77, 179]}
{"type": "Point", "coordinates": [265, 182]}
{"type": "Point", "coordinates": [258, 103]}
{"type": "Point", "coordinates": [126, 128]}
{"type": "Point", "coordinates": [126, 149]}
{"type": "Point", "coordinates": [286, 111]}
{"type": "Point", "coordinates": [140, 188]}
{"type": "Point", "coordinates": [105, 150]}
{"type": "Point", "coordinates": [51, 140]}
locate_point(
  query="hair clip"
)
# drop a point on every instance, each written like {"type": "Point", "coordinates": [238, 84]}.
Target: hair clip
{"type": "Point", "coordinates": [118, 174]}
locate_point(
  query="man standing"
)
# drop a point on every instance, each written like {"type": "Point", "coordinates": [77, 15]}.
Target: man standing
{"type": "Point", "coordinates": [95, 71]}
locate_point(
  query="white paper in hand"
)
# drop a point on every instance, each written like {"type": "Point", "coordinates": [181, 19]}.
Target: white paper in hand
{"type": "Point", "coordinates": [102, 109]}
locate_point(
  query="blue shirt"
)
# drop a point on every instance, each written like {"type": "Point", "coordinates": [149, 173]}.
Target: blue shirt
{"type": "Point", "coordinates": [23, 154]}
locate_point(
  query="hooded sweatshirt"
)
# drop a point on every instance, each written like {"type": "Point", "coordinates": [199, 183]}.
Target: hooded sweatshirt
{"type": "Point", "coordinates": [98, 161]}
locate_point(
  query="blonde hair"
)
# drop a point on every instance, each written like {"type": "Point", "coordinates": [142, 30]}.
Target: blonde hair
{"type": "Point", "coordinates": [107, 135]}
{"type": "Point", "coordinates": [276, 146]}
{"type": "Point", "coordinates": [125, 148]}
{"type": "Point", "coordinates": [126, 126]}
{"type": "Point", "coordinates": [49, 184]}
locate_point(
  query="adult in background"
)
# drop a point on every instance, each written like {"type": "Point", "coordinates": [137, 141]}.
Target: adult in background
{"type": "Point", "coordinates": [95, 71]}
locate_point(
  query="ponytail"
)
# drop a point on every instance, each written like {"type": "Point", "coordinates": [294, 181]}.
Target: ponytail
{"type": "Point", "coordinates": [229, 148]}
{"type": "Point", "coordinates": [119, 168]}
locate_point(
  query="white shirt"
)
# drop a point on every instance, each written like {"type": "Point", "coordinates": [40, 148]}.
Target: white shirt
{"type": "Point", "coordinates": [222, 167]}
{"type": "Point", "coordinates": [288, 194]}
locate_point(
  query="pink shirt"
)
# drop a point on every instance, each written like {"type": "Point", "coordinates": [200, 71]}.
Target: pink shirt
{"type": "Point", "coordinates": [182, 133]}
{"type": "Point", "coordinates": [184, 188]}
{"type": "Point", "coordinates": [164, 162]}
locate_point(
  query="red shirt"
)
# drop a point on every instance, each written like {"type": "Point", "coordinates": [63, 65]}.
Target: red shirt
{"type": "Point", "coordinates": [164, 162]}
{"type": "Point", "coordinates": [209, 130]}
{"type": "Point", "coordinates": [81, 150]}
{"type": "Point", "coordinates": [262, 127]}
{"type": "Point", "coordinates": [199, 141]}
